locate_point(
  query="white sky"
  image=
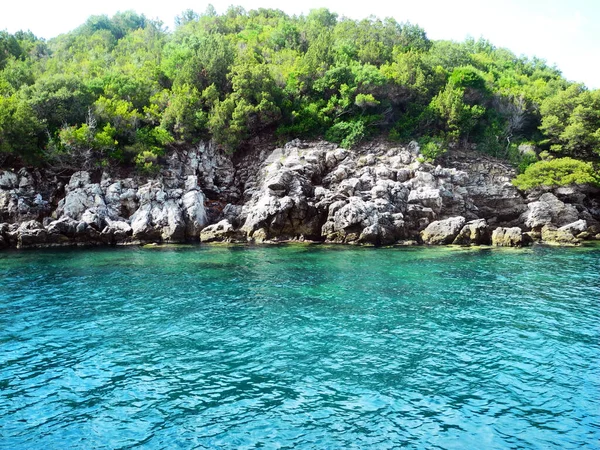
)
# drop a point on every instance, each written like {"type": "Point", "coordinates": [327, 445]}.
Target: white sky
{"type": "Point", "coordinates": [563, 32]}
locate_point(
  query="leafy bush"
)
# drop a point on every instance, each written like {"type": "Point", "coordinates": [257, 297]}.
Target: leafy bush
{"type": "Point", "coordinates": [347, 134]}
{"type": "Point", "coordinates": [146, 163]}
{"type": "Point", "coordinates": [351, 132]}
{"type": "Point", "coordinates": [463, 77]}
{"type": "Point", "coordinates": [557, 172]}
{"type": "Point", "coordinates": [521, 159]}
{"type": "Point", "coordinates": [432, 148]}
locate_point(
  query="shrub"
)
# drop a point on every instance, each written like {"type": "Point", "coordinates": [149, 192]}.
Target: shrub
{"type": "Point", "coordinates": [146, 163]}
{"type": "Point", "coordinates": [347, 134]}
{"type": "Point", "coordinates": [521, 157]}
{"type": "Point", "coordinates": [557, 172]}
{"type": "Point", "coordinates": [432, 148]}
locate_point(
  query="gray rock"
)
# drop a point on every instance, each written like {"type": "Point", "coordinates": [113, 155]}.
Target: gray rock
{"type": "Point", "coordinates": [26, 182]}
{"type": "Point", "coordinates": [428, 197]}
{"type": "Point", "coordinates": [158, 217]}
{"type": "Point", "coordinates": [222, 231]}
{"type": "Point", "coordinates": [575, 228]}
{"type": "Point", "coordinates": [194, 213]}
{"type": "Point", "coordinates": [8, 180]}
{"type": "Point", "coordinates": [549, 210]}
{"type": "Point", "coordinates": [375, 194]}
{"type": "Point", "coordinates": [443, 231]}
{"type": "Point", "coordinates": [31, 234]}
{"type": "Point", "coordinates": [65, 226]}
{"type": "Point", "coordinates": [117, 231]}
{"type": "Point", "coordinates": [79, 180]}
{"type": "Point", "coordinates": [475, 232]}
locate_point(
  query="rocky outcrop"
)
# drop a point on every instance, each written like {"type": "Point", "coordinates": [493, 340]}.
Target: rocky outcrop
{"type": "Point", "coordinates": [222, 231]}
{"type": "Point", "coordinates": [549, 210]}
{"type": "Point", "coordinates": [443, 231]}
{"type": "Point", "coordinates": [22, 196]}
{"type": "Point", "coordinates": [377, 194]}
{"type": "Point", "coordinates": [490, 194]}
{"type": "Point", "coordinates": [98, 209]}
{"type": "Point", "coordinates": [558, 236]}
{"type": "Point", "coordinates": [475, 232]}
{"type": "Point", "coordinates": [508, 237]}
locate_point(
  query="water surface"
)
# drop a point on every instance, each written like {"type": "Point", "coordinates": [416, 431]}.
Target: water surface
{"type": "Point", "coordinates": [300, 347]}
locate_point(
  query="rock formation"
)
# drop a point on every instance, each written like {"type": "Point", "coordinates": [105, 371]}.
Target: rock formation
{"type": "Point", "coordinates": [378, 194]}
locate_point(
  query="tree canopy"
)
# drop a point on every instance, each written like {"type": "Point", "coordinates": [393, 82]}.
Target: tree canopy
{"type": "Point", "coordinates": [121, 89]}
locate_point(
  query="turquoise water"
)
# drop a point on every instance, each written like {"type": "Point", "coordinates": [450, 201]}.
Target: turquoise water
{"type": "Point", "coordinates": [300, 347]}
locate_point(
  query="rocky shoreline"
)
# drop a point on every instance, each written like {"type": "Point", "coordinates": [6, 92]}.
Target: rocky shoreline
{"type": "Point", "coordinates": [377, 194]}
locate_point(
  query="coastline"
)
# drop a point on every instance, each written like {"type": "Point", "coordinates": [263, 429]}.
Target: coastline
{"type": "Point", "coordinates": [380, 194]}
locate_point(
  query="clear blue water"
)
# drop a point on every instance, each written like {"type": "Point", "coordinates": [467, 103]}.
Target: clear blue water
{"type": "Point", "coordinates": [300, 347]}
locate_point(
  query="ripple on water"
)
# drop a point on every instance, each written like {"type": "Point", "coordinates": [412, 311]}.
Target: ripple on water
{"type": "Point", "coordinates": [300, 347]}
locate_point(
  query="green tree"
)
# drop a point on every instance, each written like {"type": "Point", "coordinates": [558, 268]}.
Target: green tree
{"type": "Point", "coordinates": [251, 107]}
{"type": "Point", "coordinates": [558, 172]}
{"type": "Point", "coordinates": [20, 130]}
{"type": "Point", "coordinates": [59, 100]}
{"type": "Point", "coordinates": [571, 121]}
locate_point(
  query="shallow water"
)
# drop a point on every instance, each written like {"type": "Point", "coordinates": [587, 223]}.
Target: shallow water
{"type": "Point", "coordinates": [300, 347]}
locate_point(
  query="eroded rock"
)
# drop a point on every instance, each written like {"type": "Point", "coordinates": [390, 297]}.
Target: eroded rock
{"type": "Point", "coordinates": [558, 236]}
{"type": "Point", "coordinates": [475, 232]}
{"type": "Point", "coordinates": [549, 210]}
{"type": "Point", "coordinates": [508, 237]}
{"type": "Point", "coordinates": [443, 231]}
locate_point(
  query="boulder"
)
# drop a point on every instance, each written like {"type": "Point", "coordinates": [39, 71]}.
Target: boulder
{"type": "Point", "coordinates": [158, 217]}
{"type": "Point", "coordinates": [381, 233]}
{"type": "Point", "coordinates": [475, 232]}
{"type": "Point", "coordinates": [31, 234]}
{"type": "Point", "coordinates": [194, 213]}
{"type": "Point", "coordinates": [508, 237]}
{"type": "Point", "coordinates": [428, 197]}
{"type": "Point", "coordinates": [284, 207]}
{"type": "Point", "coordinates": [81, 196]}
{"type": "Point", "coordinates": [222, 231]}
{"type": "Point", "coordinates": [117, 231]}
{"type": "Point", "coordinates": [549, 210]}
{"type": "Point", "coordinates": [8, 180]}
{"type": "Point", "coordinates": [558, 236]}
{"type": "Point", "coordinates": [443, 231]}
{"type": "Point", "coordinates": [65, 226]}
{"type": "Point", "coordinates": [575, 228]}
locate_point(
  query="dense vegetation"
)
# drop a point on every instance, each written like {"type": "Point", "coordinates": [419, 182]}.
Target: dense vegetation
{"type": "Point", "coordinates": [121, 90]}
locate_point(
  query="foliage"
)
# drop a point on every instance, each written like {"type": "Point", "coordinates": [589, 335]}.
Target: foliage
{"type": "Point", "coordinates": [453, 115]}
{"type": "Point", "coordinates": [558, 172]}
{"type": "Point", "coordinates": [20, 129]}
{"type": "Point", "coordinates": [571, 121]}
{"type": "Point", "coordinates": [121, 89]}
{"type": "Point", "coordinates": [432, 148]}
{"type": "Point", "coordinates": [347, 133]}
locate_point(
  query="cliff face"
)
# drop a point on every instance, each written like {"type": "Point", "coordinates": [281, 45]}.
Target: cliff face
{"type": "Point", "coordinates": [377, 194]}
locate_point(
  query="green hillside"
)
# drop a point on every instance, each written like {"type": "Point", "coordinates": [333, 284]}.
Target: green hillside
{"type": "Point", "coordinates": [122, 90]}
